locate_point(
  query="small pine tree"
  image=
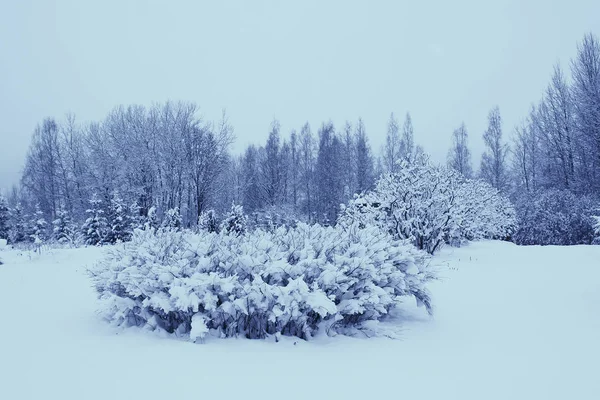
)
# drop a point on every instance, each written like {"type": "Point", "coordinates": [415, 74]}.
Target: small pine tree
{"type": "Point", "coordinates": [136, 219]}
{"type": "Point", "coordinates": [38, 226]}
{"type": "Point", "coordinates": [235, 223]}
{"type": "Point", "coordinates": [95, 228]}
{"type": "Point", "coordinates": [18, 227]}
{"type": "Point", "coordinates": [207, 221]}
{"type": "Point", "coordinates": [151, 219]}
{"type": "Point", "coordinates": [4, 218]}
{"type": "Point", "coordinates": [62, 227]}
{"type": "Point", "coordinates": [172, 219]}
{"type": "Point", "coordinates": [118, 220]}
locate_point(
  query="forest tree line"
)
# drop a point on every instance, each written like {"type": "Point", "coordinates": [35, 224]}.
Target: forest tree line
{"type": "Point", "coordinates": [165, 157]}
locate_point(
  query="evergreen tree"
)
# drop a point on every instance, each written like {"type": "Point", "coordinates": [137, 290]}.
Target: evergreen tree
{"type": "Point", "coordinates": [4, 218]}
{"type": "Point", "coordinates": [235, 222]}
{"type": "Point", "coordinates": [119, 229]}
{"type": "Point", "coordinates": [172, 219]}
{"type": "Point", "coordinates": [207, 221]}
{"type": "Point", "coordinates": [151, 219]}
{"type": "Point", "coordinates": [18, 226]}
{"type": "Point", "coordinates": [62, 230]}
{"type": "Point", "coordinates": [95, 229]}
{"type": "Point", "coordinates": [39, 226]}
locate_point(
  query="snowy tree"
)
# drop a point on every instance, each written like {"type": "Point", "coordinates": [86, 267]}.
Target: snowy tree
{"type": "Point", "coordinates": [172, 219]}
{"type": "Point", "coordinates": [18, 229]}
{"type": "Point", "coordinates": [596, 230]}
{"type": "Point", "coordinates": [235, 222]}
{"type": "Point", "coordinates": [392, 152]}
{"type": "Point", "coordinates": [430, 205]}
{"type": "Point", "coordinates": [151, 219]}
{"type": "Point", "coordinates": [118, 219]}
{"type": "Point", "coordinates": [407, 143]}
{"type": "Point", "coordinates": [39, 226]}
{"type": "Point", "coordinates": [365, 170]}
{"type": "Point", "coordinates": [459, 155]}
{"type": "Point", "coordinates": [328, 175]}
{"type": "Point", "coordinates": [95, 228]}
{"type": "Point", "coordinates": [555, 217]}
{"type": "Point", "coordinates": [135, 217]}
{"type": "Point", "coordinates": [207, 221]}
{"type": "Point", "coordinates": [63, 229]}
{"type": "Point", "coordinates": [307, 169]}
{"type": "Point", "coordinates": [271, 182]}
{"type": "Point", "coordinates": [4, 218]}
{"type": "Point", "coordinates": [585, 69]}
{"type": "Point", "coordinates": [493, 162]}
{"type": "Point", "coordinates": [527, 154]}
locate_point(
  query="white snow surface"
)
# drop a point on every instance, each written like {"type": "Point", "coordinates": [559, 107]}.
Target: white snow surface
{"type": "Point", "coordinates": [510, 323]}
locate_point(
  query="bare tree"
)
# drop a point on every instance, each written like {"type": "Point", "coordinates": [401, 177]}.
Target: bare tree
{"type": "Point", "coordinates": [459, 155]}
{"type": "Point", "coordinates": [493, 162]}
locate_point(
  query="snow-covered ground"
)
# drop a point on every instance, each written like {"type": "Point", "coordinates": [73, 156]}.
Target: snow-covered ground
{"type": "Point", "coordinates": [510, 323]}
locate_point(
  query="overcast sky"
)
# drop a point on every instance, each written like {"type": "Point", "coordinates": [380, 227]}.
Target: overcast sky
{"type": "Point", "coordinates": [444, 61]}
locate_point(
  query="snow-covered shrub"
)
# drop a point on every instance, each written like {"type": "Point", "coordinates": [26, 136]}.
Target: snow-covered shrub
{"type": "Point", "coordinates": [95, 228]}
{"type": "Point", "coordinates": [172, 219]}
{"type": "Point", "coordinates": [431, 205]}
{"type": "Point", "coordinates": [293, 281]}
{"type": "Point", "coordinates": [207, 221]}
{"type": "Point", "coordinates": [273, 217]}
{"type": "Point", "coordinates": [555, 217]}
{"type": "Point", "coordinates": [235, 222]}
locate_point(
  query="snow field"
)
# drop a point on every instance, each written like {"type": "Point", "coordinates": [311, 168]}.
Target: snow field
{"type": "Point", "coordinates": [510, 323]}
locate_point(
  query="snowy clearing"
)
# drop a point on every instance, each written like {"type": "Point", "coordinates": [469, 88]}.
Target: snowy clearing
{"type": "Point", "coordinates": [510, 323]}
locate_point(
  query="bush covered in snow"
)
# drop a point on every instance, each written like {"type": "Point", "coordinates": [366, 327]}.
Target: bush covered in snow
{"type": "Point", "coordinates": [293, 281]}
{"type": "Point", "coordinates": [555, 217]}
{"type": "Point", "coordinates": [431, 205]}
{"type": "Point", "coordinates": [273, 217]}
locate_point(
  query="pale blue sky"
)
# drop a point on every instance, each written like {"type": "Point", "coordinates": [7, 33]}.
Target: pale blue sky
{"type": "Point", "coordinates": [444, 61]}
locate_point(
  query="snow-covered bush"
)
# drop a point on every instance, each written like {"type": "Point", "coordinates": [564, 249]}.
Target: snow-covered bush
{"type": "Point", "coordinates": [431, 205]}
{"type": "Point", "coordinates": [235, 222]}
{"type": "Point", "coordinates": [273, 217]}
{"type": "Point", "coordinates": [207, 221]}
{"type": "Point", "coordinates": [288, 282]}
{"type": "Point", "coordinates": [555, 217]}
